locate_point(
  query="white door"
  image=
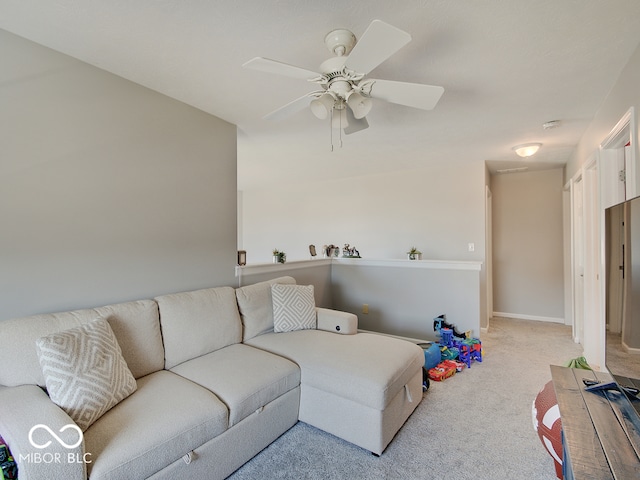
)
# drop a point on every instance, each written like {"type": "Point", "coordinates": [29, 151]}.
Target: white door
{"type": "Point", "coordinates": [591, 317]}
{"type": "Point", "coordinates": [577, 240]}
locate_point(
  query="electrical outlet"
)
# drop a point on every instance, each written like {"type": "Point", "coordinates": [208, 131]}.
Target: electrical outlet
{"type": "Point", "coordinates": [472, 247]}
{"type": "Point", "coordinates": [365, 308]}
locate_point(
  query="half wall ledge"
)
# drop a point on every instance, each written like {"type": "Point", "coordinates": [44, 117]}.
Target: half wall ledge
{"type": "Point", "coordinates": [259, 268]}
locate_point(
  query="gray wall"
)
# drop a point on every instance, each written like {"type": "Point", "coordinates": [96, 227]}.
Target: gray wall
{"type": "Point", "coordinates": [403, 296]}
{"type": "Point", "coordinates": [403, 300]}
{"type": "Point", "coordinates": [528, 276]}
{"type": "Point", "coordinates": [108, 191]}
{"type": "Point", "coordinates": [316, 273]}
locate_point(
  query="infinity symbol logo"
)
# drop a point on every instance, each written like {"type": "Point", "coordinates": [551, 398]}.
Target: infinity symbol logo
{"type": "Point", "coordinates": [53, 434]}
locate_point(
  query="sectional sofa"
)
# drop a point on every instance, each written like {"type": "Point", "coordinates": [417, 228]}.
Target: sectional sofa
{"type": "Point", "coordinates": [194, 384]}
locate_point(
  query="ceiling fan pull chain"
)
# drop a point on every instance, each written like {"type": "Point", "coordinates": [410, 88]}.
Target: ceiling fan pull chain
{"type": "Point", "coordinates": [340, 126]}
{"type": "Point", "coordinates": [331, 129]}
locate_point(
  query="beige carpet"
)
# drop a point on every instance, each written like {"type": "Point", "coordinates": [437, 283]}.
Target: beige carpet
{"type": "Point", "coordinates": [476, 425]}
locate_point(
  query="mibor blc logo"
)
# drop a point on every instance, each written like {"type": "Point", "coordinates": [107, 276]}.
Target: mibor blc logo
{"type": "Point", "coordinates": [54, 457]}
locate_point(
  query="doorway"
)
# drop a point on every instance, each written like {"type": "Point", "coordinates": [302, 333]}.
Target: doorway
{"type": "Point", "coordinates": [615, 253]}
{"type": "Point", "coordinates": [617, 164]}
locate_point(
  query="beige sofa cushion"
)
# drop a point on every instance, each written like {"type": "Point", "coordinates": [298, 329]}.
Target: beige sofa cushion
{"type": "Point", "coordinates": [199, 322]}
{"type": "Point", "coordinates": [367, 368]}
{"type": "Point", "coordinates": [243, 377]}
{"type": "Point", "coordinates": [256, 306]}
{"type": "Point", "coordinates": [84, 371]}
{"type": "Point", "coordinates": [135, 325]}
{"type": "Point", "coordinates": [167, 417]}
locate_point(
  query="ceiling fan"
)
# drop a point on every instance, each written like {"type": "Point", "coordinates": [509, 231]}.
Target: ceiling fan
{"type": "Point", "coordinates": [345, 94]}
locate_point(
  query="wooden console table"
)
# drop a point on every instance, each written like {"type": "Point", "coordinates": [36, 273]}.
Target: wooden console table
{"type": "Point", "coordinates": [594, 429]}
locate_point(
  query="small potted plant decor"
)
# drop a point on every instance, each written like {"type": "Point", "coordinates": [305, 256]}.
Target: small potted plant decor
{"type": "Point", "coordinates": [278, 256]}
{"type": "Point", "coordinates": [330, 251]}
{"type": "Point", "coordinates": [414, 254]}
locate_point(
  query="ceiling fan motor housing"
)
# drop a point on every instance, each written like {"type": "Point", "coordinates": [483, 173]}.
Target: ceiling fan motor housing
{"type": "Point", "coordinates": [340, 41]}
{"type": "Point", "coordinates": [338, 79]}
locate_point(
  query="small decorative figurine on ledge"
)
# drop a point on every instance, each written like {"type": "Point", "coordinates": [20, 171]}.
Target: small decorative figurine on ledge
{"type": "Point", "coordinates": [350, 252]}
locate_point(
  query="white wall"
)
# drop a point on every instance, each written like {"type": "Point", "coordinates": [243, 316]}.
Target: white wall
{"type": "Point", "coordinates": [440, 210]}
{"type": "Point", "coordinates": [528, 274]}
{"type": "Point", "coordinates": [108, 191]}
{"type": "Point", "coordinates": [624, 94]}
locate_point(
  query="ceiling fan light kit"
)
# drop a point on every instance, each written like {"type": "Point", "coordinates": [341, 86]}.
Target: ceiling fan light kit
{"type": "Point", "coordinates": [359, 104]}
{"type": "Point", "coordinates": [322, 106]}
{"type": "Point", "coordinates": [346, 94]}
{"type": "Point", "coordinates": [526, 149]}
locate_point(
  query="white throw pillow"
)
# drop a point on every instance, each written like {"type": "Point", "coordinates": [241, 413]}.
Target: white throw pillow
{"type": "Point", "coordinates": [294, 307]}
{"type": "Point", "coordinates": [84, 371]}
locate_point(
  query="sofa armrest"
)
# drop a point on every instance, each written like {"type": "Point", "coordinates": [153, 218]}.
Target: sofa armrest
{"type": "Point", "coordinates": [337, 321]}
{"type": "Point", "coordinates": [25, 411]}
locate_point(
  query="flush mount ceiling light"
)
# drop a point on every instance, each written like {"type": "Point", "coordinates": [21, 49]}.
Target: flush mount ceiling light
{"type": "Point", "coordinates": [526, 149]}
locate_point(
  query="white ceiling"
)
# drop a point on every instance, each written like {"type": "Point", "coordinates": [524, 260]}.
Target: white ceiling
{"type": "Point", "coordinates": [507, 67]}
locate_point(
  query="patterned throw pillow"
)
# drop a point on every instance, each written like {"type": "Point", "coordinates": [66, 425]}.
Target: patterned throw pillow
{"type": "Point", "coordinates": [294, 307]}
{"type": "Point", "coordinates": [84, 371]}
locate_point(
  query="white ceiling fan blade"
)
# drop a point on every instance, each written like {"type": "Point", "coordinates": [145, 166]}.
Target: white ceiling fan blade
{"type": "Point", "coordinates": [279, 68]}
{"type": "Point", "coordinates": [379, 41]}
{"type": "Point", "coordinates": [414, 95]}
{"type": "Point", "coordinates": [355, 124]}
{"type": "Point", "coordinates": [290, 108]}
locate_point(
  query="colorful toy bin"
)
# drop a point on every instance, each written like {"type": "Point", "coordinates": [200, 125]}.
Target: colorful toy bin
{"type": "Point", "coordinates": [432, 356]}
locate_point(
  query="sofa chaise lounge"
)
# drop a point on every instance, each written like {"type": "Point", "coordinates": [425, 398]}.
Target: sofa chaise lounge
{"type": "Point", "coordinates": [201, 382]}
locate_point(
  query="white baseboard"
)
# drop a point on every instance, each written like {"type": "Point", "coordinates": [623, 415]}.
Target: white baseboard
{"type": "Point", "coordinates": [519, 316]}
{"type": "Point", "coordinates": [632, 350]}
